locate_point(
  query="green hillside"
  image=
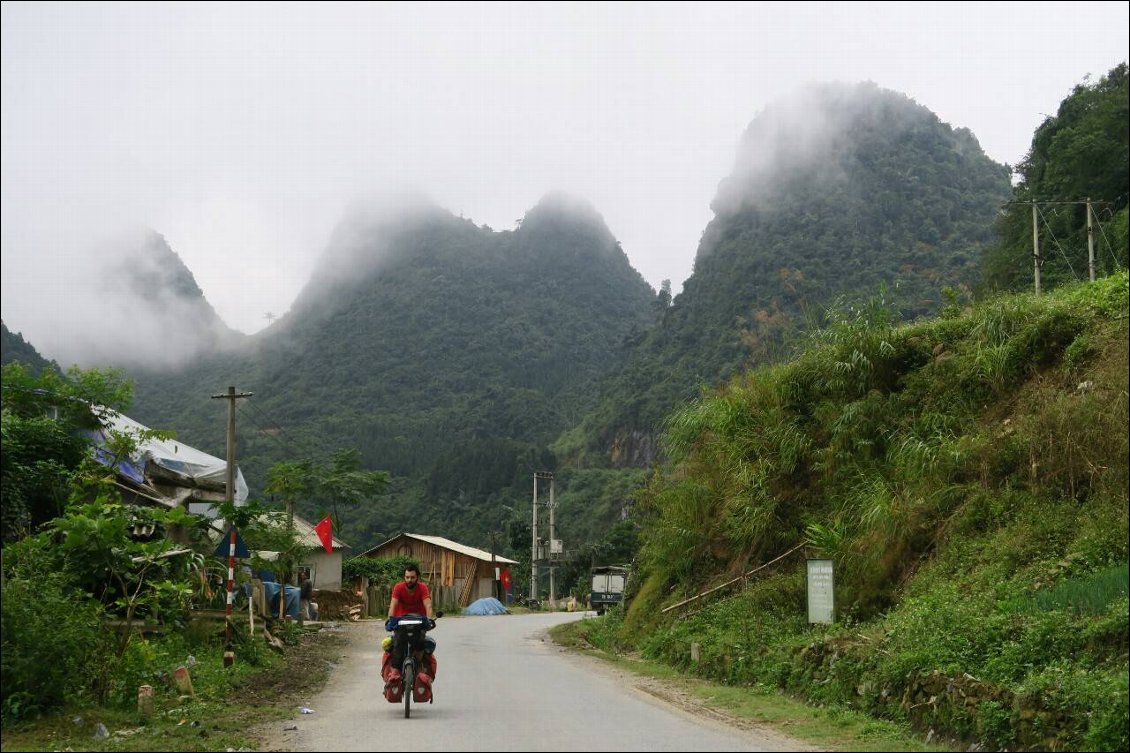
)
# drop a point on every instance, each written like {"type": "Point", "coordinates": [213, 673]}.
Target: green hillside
{"type": "Point", "coordinates": [834, 192]}
{"type": "Point", "coordinates": [448, 354]}
{"type": "Point", "coordinates": [967, 475]}
{"type": "Point", "coordinates": [14, 348]}
{"type": "Point", "coordinates": [1082, 152]}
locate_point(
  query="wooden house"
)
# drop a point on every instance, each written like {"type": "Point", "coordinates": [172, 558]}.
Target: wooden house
{"type": "Point", "coordinates": [456, 574]}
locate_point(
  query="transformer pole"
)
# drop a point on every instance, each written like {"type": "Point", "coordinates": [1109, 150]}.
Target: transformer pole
{"type": "Point", "coordinates": [1090, 242]}
{"type": "Point", "coordinates": [552, 533]}
{"type": "Point", "coordinates": [534, 545]}
{"type": "Point", "coordinates": [231, 397]}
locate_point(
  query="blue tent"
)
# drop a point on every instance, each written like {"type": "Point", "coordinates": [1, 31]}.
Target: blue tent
{"type": "Point", "coordinates": [293, 594]}
{"type": "Point", "coordinates": [486, 606]}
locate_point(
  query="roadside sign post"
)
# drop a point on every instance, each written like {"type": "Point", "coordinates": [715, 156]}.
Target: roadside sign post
{"type": "Point", "coordinates": [821, 592]}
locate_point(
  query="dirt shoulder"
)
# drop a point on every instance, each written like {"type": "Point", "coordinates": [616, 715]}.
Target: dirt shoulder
{"type": "Point", "coordinates": [305, 675]}
{"type": "Point", "coordinates": [788, 723]}
{"type": "Point", "coordinates": [287, 689]}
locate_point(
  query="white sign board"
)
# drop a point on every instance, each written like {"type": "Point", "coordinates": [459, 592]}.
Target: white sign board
{"type": "Point", "coordinates": [821, 601]}
{"type": "Point", "coordinates": [555, 546]}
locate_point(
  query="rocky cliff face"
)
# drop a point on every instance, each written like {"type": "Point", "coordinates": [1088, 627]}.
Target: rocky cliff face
{"type": "Point", "coordinates": [633, 449]}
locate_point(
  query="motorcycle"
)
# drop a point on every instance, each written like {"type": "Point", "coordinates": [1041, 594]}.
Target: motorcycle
{"type": "Point", "coordinates": [412, 680]}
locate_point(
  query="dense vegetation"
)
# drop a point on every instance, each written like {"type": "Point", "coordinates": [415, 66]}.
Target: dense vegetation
{"type": "Point", "coordinates": [834, 192]}
{"type": "Point", "coordinates": [968, 477]}
{"type": "Point", "coordinates": [450, 354]}
{"type": "Point", "coordinates": [46, 419]}
{"type": "Point", "coordinates": [967, 474]}
{"type": "Point", "coordinates": [1082, 152]}
{"type": "Point", "coordinates": [15, 349]}
{"type": "Point", "coordinates": [84, 574]}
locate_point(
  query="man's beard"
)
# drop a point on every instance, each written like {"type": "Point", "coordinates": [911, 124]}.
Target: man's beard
{"type": "Point", "coordinates": [411, 586]}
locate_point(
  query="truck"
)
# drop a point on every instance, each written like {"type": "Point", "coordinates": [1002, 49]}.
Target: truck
{"type": "Point", "coordinates": [607, 587]}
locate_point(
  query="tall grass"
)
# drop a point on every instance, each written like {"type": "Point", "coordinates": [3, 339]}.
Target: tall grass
{"type": "Point", "coordinates": [968, 475]}
{"type": "Point", "coordinates": [1091, 594]}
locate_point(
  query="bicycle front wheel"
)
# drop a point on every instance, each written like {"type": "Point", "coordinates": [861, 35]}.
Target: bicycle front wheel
{"type": "Point", "coordinates": [408, 677]}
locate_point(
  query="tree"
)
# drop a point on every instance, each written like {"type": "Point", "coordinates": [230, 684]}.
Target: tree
{"type": "Point", "coordinates": [1081, 152]}
{"type": "Point", "coordinates": [341, 481]}
{"type": "Point", "coordinates": [48, 423]}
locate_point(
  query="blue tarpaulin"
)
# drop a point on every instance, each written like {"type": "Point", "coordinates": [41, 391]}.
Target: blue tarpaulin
{"type": "Point", "coordinates": [486, 606]}
{"type": "Point", "coordinates": [293, 593]}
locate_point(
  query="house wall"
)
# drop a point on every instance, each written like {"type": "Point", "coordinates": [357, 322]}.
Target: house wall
{"type": "Point", "coordinates": [327, 569]}
{"type": "Point", "coordinates": [446, 572]}
{"type": "Point", "coordinates": [485, 588]}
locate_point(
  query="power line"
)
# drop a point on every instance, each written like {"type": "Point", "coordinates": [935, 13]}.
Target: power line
{"type": "Point", "coordinates": [1037, 212]}
{"type": "Point", "coordinates": [258, 427]}
{"type": "Point", "coordinates": [1109, 245]}
{"type": "Point", "coordinates": [1056, 241]}
{"type": "Point", "coordinates": [277, 433]}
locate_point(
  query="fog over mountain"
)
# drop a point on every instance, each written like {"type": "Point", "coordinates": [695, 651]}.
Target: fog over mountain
{"type": "Point", "coordinates": [240, 131]}
{"type": "Point", "coordinates": [836, 190]}
{"type": "Point", "coordinates": [137, 305]}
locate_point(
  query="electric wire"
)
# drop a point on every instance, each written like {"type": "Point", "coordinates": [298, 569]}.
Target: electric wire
{"type": "Point", "coordinates": [1057, 244]}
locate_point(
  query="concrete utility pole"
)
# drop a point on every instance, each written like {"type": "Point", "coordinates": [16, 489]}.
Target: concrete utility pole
{"type": "Point", "coordinates": [552, 543]}
{"type": "Point", "coordinates": [494, 569]}
{"type": "Point", "coordinates": [1090, 242]}
{"type": "Point", "coordinates": [231, 397]}
{"type": "Point", "coordinates": [1037, 260]}
{"type": "Point", "coordinates": [534, 545]}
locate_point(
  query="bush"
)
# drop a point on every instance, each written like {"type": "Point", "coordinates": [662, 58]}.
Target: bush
{"type": "Point", "coordinates": [1092, 704]}
{"type": "Point", "coordinates": [54, 647]}
{"type": "Point", "coordinates": [380, 572]}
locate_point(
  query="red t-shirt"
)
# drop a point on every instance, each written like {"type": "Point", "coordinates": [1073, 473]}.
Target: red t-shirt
{"type": "Point", "coordinates": [410, 601]}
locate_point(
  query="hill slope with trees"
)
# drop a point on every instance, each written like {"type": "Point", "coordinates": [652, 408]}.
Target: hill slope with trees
{"type": "Point", "coordinates": [448, 353]}
{"type": "Point", "coordinates": [835, 192]}
{"type": "Point", "coordinates": [1082, 152]}
{"type": "Point", "coordinates": [967, 478]}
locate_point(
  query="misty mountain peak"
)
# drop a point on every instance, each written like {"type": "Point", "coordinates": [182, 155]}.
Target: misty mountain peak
{"type": "Point", "coordinates": [558, 208]}
{"type": "Point", "coordinates": [560, 216]}
{"type": "Point", "coordinates": [827, 135]}
{"type": "Point", "coordinates": [149, 269]}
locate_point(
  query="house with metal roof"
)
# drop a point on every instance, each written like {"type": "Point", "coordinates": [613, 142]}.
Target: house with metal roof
{"type": "Point", "coordinates": [324, 568]}
{"type": "Point", "coordinates": [457, 574]}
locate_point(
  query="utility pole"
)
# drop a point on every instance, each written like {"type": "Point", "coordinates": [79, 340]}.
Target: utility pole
{"type": "Point", "coordinates": [231, 397]}
{"type": "Point", "coordinates": [534, 545]}
{"type": "Point", "coordinates": [494, 568]}
{"type": "Point", "coordinates": [552, 543]}
{"type": "Point", "coordinates": [1090, 242]}
{"type": "Point", "coordinates": [1037, 260]}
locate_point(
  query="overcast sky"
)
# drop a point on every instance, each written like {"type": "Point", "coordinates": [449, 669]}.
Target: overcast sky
{"type": "Point", "coordinates": [241, 131]}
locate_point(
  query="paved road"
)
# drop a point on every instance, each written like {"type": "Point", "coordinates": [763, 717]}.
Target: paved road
{"type": "Point", "coordinates": [502, 685]}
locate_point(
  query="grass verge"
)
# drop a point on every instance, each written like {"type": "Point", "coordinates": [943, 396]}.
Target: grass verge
{"type": "Point", "coordinates": [226, 704]}
{"type": "Point", "coordinates": [827, 727]}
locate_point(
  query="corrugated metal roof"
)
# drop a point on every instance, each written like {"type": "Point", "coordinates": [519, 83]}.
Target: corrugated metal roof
{"type": "Point", "coordinates": [470, 551]}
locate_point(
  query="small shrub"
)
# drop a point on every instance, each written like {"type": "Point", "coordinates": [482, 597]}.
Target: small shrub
{"type": "Point", "coordinates": [53, 646]}
{"type": "Point", "coordinates": [1078, 352]}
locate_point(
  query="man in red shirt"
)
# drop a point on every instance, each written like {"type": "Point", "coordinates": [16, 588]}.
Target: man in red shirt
{"type": "Point", "coordinates": [411, 596]}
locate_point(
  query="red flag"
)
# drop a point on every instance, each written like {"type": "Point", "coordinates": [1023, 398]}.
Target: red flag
{"type": "Point", "coordinates": [325, 533]}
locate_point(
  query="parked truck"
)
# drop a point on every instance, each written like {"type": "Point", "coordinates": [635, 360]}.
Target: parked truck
{"type": "Point", "coordinates": [607, 587]}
